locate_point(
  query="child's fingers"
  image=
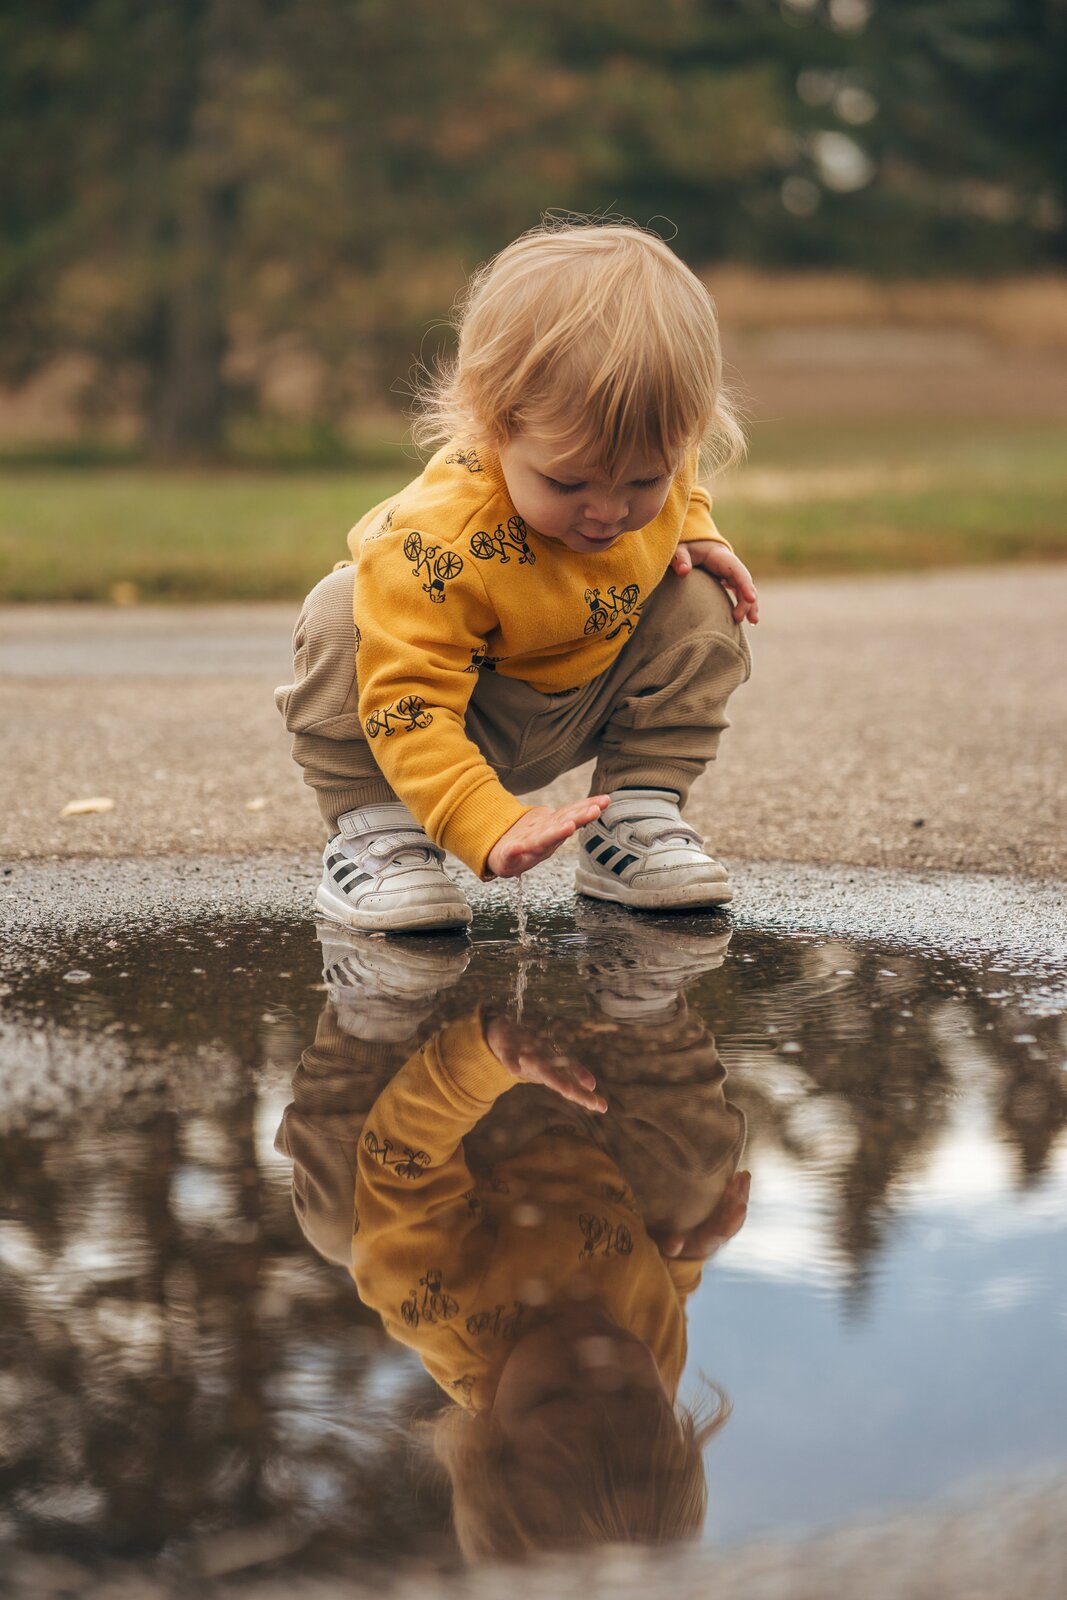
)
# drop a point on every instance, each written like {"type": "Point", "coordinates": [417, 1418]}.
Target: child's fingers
{"type": "Point", "coordinates": [725, 1222]}
{"type": "Point", "coordinates": [744, 608]}
{"type": "Point", "coordinates": [566, 1077]}
{"type": "Point", "coordinates": [586, 810]}
{"type": "Point", "coordinates": [547, 836]}
{"type": "Point", "coordinates": [540, 832]}
{"type": "Point", "coordinates": [749, 597]}
{"type": "Point", "coordinates": [717, 1231]}
{"type": "Point", "coordinates": [585, 1098]}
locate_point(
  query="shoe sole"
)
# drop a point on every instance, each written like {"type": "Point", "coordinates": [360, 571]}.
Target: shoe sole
{"type": "Point", "coordinates": [698, 894]}
{"type": "Point", "coordinates": [417, 919]}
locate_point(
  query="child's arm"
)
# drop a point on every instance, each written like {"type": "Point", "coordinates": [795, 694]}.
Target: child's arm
{"type": "Point", "coordinates": [423, 617]}
{"type": "Point", "coordinates": [411, 1169]}
{"type": "Point", "coordinates": [423, 1242]}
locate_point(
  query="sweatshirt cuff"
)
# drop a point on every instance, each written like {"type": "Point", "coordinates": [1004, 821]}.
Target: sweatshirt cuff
{"type": "Point", "coordinates": [477, 822]}
{"type": "Point", "coordinates": [470, 1066]}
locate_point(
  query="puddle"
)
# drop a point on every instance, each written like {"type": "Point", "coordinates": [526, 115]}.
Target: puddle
{"type": "Point", "coordinates": [190, 1378]}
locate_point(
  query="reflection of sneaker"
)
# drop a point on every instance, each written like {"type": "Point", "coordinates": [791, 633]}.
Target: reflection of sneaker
{"type": "Point", "coordinates": [381, 872]}
{"type": "Point", "coordinates": [640, 853]}
{"type": "Point", "coordinates": [381, 989]}
{"type": "Point", "coordinates": [638, 970]}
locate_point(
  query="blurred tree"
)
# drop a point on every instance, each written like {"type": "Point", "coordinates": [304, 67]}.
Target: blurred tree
{"type": "Point", "coordinates": [190, 191]}
{"type": "Point", "coordinates": [123, 197]}
{"type": "Point", "coordinates": [975, 144]}
{"type": "Point", "coordinates": [931, 136]}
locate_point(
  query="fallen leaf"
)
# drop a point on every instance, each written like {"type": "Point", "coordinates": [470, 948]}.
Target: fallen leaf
{"type": "Point", "coordinates": [83, 808]}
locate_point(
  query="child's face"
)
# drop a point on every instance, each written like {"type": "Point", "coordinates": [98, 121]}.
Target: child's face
{"type": "Point", "coordinates": [572, 501]}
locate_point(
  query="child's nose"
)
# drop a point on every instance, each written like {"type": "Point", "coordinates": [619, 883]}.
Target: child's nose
{"type": "Point", "coordinates": [605, 509]}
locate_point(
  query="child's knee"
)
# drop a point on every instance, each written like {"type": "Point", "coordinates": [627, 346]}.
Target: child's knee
{"type": "Point", "coordinates": [690, 634]}
{"type": "Point", "coordinates": [323, 696]}
{"type": "Point", "coordinates": [328, 608]}
{"type": "Point", "coordinates": [697, 603]}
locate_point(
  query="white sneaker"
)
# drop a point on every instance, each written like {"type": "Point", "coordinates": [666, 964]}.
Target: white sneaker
{"type": "Point", "coordinates": [383, 989]}
{"type": "Point", "coordinates": [637, 970]}
{"type": "Point", "coordinates": [382, 873]}
{"type": "Point", "coordinates": [640, 853]}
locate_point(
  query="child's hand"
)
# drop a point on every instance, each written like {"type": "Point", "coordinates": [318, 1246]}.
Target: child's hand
{"type": "Point", "coordinates": [527, 1055]}
{"type": "Point", "coordinates": [725, 1221]}
{"type": "Point", "coordinates": [539, 833]}
{"type": "Point", "coordinates": [724, 565]}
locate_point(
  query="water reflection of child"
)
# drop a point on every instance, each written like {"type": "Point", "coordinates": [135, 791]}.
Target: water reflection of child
{"type": "Point", "coordinates": [537, 1298]}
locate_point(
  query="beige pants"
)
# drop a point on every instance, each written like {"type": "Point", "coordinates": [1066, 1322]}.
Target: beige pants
{"type": "Point", "coordinates": [652, 720]}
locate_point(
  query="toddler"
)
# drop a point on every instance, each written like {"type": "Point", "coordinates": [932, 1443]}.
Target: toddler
{"type": "Point", "coordinates": [551, 589]}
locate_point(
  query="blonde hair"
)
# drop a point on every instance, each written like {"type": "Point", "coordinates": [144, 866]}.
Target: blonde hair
{"type": "Point", "coordinates": [596, 338]}
{"type": "Point", "coordinates": [594, 1494]}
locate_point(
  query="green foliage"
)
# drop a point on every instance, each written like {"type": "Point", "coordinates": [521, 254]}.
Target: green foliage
{"type": "Point", "coordinates": [181, 184]}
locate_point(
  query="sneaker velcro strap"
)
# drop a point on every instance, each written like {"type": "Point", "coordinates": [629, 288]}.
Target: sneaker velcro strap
{"type": "Point", "coordinates": [387, 815]}
{"type": "Point", "coordinates": [657, 830]}
{"type": "Point", "coordinates": [383, 845]}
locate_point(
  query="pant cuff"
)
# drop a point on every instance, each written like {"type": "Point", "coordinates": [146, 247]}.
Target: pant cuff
{"type": "Point", "coordinates": [333, 803]}
{"type": "Point", "coordinates": [657, 774]}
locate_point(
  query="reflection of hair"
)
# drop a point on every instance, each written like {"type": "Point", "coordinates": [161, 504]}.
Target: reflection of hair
{"type": "Point", "coordinates": [595, 337]}
{"type": "Point", "coordinates": [505, 1507]}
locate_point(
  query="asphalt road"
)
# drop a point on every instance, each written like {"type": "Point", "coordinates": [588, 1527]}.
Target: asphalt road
{"type": "Point", "coordinates": [912, 722]}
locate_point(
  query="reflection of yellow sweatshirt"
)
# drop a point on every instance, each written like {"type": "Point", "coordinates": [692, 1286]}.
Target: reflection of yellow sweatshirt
{"type": "Point", "coordinates": [451, 581]}
{"type": "Point", "coordinates": [458, 1267]}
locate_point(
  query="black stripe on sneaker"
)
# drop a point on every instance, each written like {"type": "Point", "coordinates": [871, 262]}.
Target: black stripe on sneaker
{"type": "Point", "coordinates": [331, 861]}
{"type": "Point", "coordinates": [364, 877]}
{"type": "Point", "coordinates": [606, 855]}
{"type": "Point", "coordinates": [346, 871]}
{"type": "Point", "coordinates": [622, 863]}
{"type": "Point", "coordinates": [591, 844]}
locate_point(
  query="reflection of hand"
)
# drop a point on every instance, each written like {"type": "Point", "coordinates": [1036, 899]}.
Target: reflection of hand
{"type": "Point", "coordinates": [527, 1056]}
{"type": "Point", "coordinates": [710, 1235]}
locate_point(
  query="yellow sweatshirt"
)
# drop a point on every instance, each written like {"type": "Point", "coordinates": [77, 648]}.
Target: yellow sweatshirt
{"type": "Point", "coordinates": [450, 580]}
{"type": "Point", "coordinates": [458, 1267]}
